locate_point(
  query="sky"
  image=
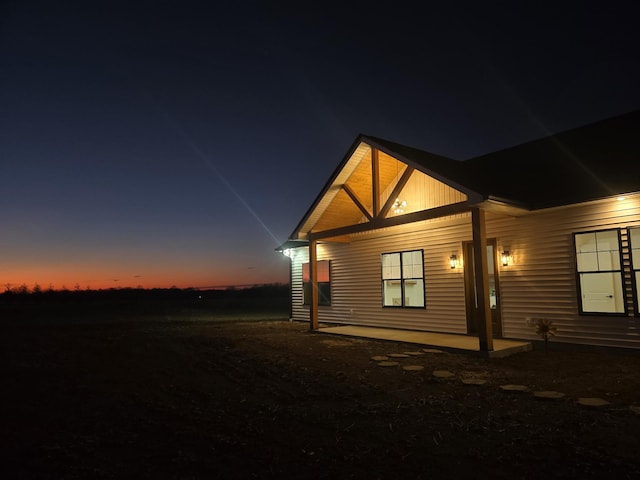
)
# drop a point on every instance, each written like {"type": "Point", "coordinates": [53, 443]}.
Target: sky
{"type": "Point", "coordinates": [178, 144]}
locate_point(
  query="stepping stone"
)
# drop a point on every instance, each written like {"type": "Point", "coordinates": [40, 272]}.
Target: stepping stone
{"type": "Point", "coordinates": [514, 388]}
{"type": "Point", "coordinates": [548, 395]}
{"type": "Point", "coordinates": [635, 409]}
{"type": "Point", "coordinates": [388, 364]}
{"type": "Point", "coordinates": [473, 381]}
{"type": "Point", "coordinates": [399, 355]}
{"type": "Point", "coordinates": [414, 354]}
{"type": "Point", "coordinates": [413, 368]}
{"type": "Point", "coordinates": [432, 350]}
{"type": "Point", "coordinates": [442, 374]}
{"type": "Point", "coordinates": [593, 402]}
{"type": "Point", "coordinates": [379, 358]}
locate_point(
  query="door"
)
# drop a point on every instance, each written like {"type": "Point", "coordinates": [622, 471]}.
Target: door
{"type": "Point", "coordinates": [471, 299]}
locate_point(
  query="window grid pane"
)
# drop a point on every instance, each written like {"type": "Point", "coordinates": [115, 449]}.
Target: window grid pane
{"type": "Point", "coordinates": [598, 252]}
{"type": "Point", "coordinates": [324, 283]}
{"type": "Point", "coordinates": [390, 265]}
{"type": "Point", "coordinates": [402, 279]}
{"type": "Point", "coordinates": [600, 276]}
{"type": "Point", "coordinates": [412, 264]}
{"type": "Point", "coordinates": [323, 271]}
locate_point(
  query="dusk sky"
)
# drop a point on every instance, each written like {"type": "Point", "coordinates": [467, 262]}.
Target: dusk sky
{"type": "Point", "coordinates": [162, 143]}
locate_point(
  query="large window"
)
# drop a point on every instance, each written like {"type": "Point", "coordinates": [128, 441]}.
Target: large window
{"type": "Point", "coordinates": [324, 283]}
{"type": "Point", "coordinates": [634, 243]}
{"type": "Point", "coordinates": [598, 262]}
{"type": "Point", "coordinates": [403, 279]}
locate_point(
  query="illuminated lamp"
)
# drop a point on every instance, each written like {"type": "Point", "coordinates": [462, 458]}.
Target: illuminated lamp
{"type": "Point", "coordinates": [453, 261]}
{"type": "Point", "coordinates": [398, 206]}
{"type": "Point", "coordinates": [506, 258]}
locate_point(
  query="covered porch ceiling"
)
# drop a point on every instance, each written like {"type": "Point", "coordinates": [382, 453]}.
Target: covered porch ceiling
{"type": "Point", "coordinates": [374, 189]}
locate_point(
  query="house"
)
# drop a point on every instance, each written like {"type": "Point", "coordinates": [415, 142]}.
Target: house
{"type": "Point", "coordinates": [549, 229]}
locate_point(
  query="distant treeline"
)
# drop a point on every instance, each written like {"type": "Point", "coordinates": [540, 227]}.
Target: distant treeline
{"type": "Point", "coordinates": [263, 301]}
{"type": "Point", "coordinates": [173, 292]}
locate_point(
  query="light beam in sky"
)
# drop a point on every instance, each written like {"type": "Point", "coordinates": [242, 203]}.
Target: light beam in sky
{"type": "Point", "coordinates": [208, 163]}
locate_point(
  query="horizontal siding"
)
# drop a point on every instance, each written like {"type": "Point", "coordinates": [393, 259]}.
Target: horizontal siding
{"type": "Point", "coordinates": [356, 285]}
{"type": "Point", "coordinates": [541, 282]}
{"type": "Point", "coordinates": [298, 311]}
{"type": "Point", "coordinates": [423, 192]}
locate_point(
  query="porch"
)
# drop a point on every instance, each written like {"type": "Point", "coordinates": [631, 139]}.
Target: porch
{"type": "Point", "coordinates": [447, 341]}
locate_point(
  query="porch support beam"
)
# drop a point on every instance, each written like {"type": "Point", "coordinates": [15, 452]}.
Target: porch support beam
{"type": "Point", "coordinates": [357, 201]}
{"type": "Point", "coordinates": [375, 181]}
{"type": "Point", "coordinates": [437, 212]}
{"type": "Point", "coordinates": [479, 230]}
{"type": "Point", "coordinates": [396, 191]}
{"type": "Point", "coordinates": [313, 274]}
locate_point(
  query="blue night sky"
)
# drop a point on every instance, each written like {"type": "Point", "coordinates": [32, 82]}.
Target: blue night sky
{"type": "Point", "coordinates": [163, 143]}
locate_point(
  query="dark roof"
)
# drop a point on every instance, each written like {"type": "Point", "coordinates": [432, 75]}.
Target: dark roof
{"type": "Point", "coordinates": [594, 161]}
{"type": "Point", "coordinates": [443, 166]}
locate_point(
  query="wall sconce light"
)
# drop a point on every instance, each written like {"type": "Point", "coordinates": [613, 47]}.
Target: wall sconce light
{"type": "Point", "coordinates": [453, 261]}
{"type": "Point", "coordinates": [506, 258]}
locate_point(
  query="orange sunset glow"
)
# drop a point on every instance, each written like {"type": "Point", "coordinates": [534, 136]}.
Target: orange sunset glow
{"type": "Point", "coordinates": [274, 270]}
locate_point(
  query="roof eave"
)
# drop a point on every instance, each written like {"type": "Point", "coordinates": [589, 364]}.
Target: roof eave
{"type": "Point", "coordinates": [296, 233]}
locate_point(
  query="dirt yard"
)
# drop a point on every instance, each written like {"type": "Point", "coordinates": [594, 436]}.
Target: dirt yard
{"type": "Point", "coordinates": [266, 400]}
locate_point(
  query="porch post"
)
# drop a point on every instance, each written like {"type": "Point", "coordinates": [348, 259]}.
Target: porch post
{"type": "Point", "coordinates": [313, 276]}
{"type": "Point", "coordinates": [485, 335]}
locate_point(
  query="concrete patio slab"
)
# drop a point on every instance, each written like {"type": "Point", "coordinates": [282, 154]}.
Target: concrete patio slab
{"type": "Point", "coordinates": [452, 342]}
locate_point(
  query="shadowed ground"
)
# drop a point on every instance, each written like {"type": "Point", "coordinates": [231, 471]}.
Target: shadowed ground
{"type": "Point", "coordinates": [163, 398]}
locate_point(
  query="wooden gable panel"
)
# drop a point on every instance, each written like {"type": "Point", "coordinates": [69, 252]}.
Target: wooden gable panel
{"type": "Point", "coordinates": [390, 171]}
{"type": "Point", "coordinates": [360, 182]}
{"type": "Point", "coordinates": [350, 201]}
{"type": "Point", "coordinates": [423, 192]}
{"type": "Point", "coordinates": [342, 211]}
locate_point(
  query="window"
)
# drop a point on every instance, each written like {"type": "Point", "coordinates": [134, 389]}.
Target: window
{"type": "Point", "coordinates": [634, 243]}
{"type": "Point", "coordinates": [324, 283]}
{"type": "Point", "coordinates": [403, 279]}
{"type": "Point", "coordinates": [598, 264]}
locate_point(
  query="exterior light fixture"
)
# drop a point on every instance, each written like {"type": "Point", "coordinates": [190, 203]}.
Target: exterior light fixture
{"type": "Point", "coordinates": [506, 258]}
{"type": "Point", "coordinates": [453, 261]}
{"type": "Point", "coordinates": [398, 206]}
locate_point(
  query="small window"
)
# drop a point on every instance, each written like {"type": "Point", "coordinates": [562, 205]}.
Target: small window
{"type": "Point", "coordinates": [324, 283]}
{"type": "Point", "coordinates": [598, 264]}
{"type": "Point", "coordinates": [403, 279]}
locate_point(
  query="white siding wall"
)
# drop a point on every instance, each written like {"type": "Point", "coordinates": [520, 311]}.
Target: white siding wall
{"type": "Point", "coordinates": [542, 280]}
{"type": "Point", "coordinates": [540, 283]}
{"type": "Point", "coordinates": [298, 257]}
{"type": "Point", "coordinates": [356, 285]}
